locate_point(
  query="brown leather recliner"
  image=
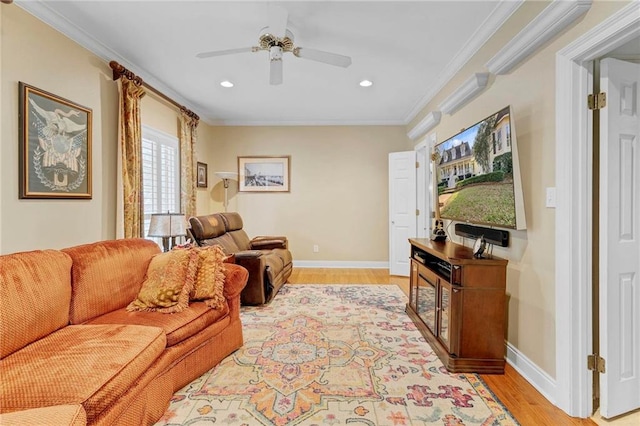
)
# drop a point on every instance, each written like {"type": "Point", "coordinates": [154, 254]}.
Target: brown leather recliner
{"type": "Point", "coordinates": [267, 259]}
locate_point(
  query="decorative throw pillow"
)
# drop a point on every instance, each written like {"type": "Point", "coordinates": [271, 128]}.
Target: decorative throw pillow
{"type": "Point", "coordinates": [169, 280]}
{"type": "Point", "coordinates": [209, 283]}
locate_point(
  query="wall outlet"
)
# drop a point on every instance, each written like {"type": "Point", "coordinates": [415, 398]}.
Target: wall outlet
{"type": "Point", "coordinates": [316, 248]}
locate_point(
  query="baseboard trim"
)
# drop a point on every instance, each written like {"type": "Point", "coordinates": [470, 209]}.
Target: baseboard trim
{"type": "Point", "coordinates": [356, 264]}
{"type": "Point", "coordinates": [533, 374]}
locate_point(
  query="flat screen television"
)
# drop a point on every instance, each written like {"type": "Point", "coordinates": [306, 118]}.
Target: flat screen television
{"type": "Point", "coordinates": [478, 174]}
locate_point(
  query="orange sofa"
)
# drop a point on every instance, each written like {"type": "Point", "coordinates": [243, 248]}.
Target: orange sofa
{"type": "Point", "coordinates": [72, 354]}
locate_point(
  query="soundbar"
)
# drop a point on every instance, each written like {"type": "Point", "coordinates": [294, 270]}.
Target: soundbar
{"type": "Point", "coordinates": [491, 235]}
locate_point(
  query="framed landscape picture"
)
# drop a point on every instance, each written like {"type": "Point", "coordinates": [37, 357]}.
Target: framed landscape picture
{"type": "Point", "coordinates": [263, 174]}
{"type": "Point", "coordinates": [55, 146]}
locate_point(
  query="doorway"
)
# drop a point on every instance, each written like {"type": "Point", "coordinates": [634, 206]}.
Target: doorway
{"type": "Point", "coordinates": [574, 214]}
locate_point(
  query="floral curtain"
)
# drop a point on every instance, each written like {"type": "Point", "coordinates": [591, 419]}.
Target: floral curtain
{"type": "Point", "coordinates": [188, 138]}
{"type": "Point", "coordinates": [130, 142]}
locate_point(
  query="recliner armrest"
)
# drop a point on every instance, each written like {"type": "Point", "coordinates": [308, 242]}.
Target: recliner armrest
{"type": "Point", "coordinates": [248, 254]}
{"type": "Point", "coordinates": [268, 242]}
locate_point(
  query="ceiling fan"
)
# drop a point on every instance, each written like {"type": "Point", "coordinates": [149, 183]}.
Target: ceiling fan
{"type": "Point", "coordinates": [277, 39]}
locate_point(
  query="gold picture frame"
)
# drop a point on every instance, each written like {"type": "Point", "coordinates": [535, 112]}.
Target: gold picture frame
{"type": "Point", "coordinates": [264, 174]}
{"type": "Point", "coordinates": [55, 146]}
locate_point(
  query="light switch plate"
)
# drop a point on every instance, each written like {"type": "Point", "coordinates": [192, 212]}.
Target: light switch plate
{"type": "Point", "coordinates": [550, 200]}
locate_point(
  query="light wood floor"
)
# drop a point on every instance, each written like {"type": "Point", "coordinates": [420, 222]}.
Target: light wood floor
{"type": "Point", "coordinates": [527, 405]}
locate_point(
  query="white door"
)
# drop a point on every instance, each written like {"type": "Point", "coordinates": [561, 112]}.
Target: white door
{"type": "Point", "coordinates": [620, 237]}
{"type": "Point", "coordinates": [402, 210]}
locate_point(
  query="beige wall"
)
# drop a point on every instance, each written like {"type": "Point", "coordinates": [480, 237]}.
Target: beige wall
{"type": "Point", "coordinates": [339, 187]}
{"type": "Point", "coordinates": [157, 113]}
{"type": "Point", "coordinates": [206, 152]}
{"type": "Point", "coordinates": [37, 55]}
{"type": "Point", "coordinates": [530, 90]}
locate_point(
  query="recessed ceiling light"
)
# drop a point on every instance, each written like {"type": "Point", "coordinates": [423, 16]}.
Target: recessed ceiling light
{"type": "Point", "coordinates": [366, 83]}
{"type": "Point", "coordinates": [226, 83]}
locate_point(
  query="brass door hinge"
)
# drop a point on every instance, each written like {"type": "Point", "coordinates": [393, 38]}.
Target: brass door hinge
{"type": "Point", "coordinates": [417, 212]}
{"type": "Point", "coordinates": [417, 165]}
{"type": "Point", "coordinates": [597, 101]}
{"type": "Point", "coordinates": [596, 363]}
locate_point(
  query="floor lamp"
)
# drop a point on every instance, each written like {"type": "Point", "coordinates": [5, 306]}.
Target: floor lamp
{"type": "Point", "coordinates": [226, 176]}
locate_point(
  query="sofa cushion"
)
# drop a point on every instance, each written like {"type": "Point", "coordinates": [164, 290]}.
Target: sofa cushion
{"type": "Point", "coordinates": [177, 327]}
{"type": "Point", "coordinates": [68, 415]}
{"type": "Point", "coordinates": [168, 283]}
{"type": "Point", "coordinates": [241, 239]}
{"type": "Point", "coordinates": [92, 365]}
{"type": "Point", "coordinates": [30, 312]}
{"type": "Point", "coordinates": [209, 283]}
{"type": "Point", "coordinates": [225, 241]}
{"type": "Point", "coordinates": [206, 227]}
{"type": "Point", "coordinates": [107, 275]}
{"type": "Point", "coordinates": [232, 221]}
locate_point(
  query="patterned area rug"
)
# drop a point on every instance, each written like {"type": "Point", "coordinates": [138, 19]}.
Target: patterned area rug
{"type": "Point", "coordinates": [334, 355]}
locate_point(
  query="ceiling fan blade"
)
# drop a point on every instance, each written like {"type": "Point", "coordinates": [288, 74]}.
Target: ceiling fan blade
{"type": "Point", "coordinates": [226, 52]}
{"type": "Point", "coordinates": [275, 73]}
{"type": "Point", "coordinates": [321, 56]}
{"type": "Point", "coordinates": [277, 20]}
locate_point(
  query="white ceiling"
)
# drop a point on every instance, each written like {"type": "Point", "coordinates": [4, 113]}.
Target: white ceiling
{"type": "Point", "coordinates": [408, 49]}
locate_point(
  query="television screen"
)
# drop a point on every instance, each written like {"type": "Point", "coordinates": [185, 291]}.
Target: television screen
{"type": "Point", "coordinates": [478, 175]}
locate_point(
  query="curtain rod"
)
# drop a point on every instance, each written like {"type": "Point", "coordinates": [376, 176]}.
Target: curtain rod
{"type": "Point", "coordinates": [121, 71]}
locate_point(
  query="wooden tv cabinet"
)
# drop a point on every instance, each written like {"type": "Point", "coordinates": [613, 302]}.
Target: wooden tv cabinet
{"type": "Point", "coordinates": [458, 304]}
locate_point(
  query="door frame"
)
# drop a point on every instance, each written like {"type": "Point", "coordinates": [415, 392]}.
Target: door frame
{"type": "Point", "coordinates": [573, 239]}
{"type": "Point", "coordinates": [422, 184]}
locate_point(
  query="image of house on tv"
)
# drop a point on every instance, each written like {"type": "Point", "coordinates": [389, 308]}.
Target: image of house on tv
{"type": "Point", "coordinates": [475, 173]}
{"type": "Point", "coordinates": [481, 149]}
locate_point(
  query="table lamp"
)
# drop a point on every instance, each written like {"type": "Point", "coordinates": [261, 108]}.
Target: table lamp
{"type": "Point", "coordinates": [167, 226]}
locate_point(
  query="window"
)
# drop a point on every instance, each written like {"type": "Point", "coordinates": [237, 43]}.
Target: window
{"type": "Point", "coordinates": [160, 174]}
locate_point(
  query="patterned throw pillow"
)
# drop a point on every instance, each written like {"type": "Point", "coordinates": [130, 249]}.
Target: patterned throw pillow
{"type": "Point", "coordinates": [170, 279]}
{"type": "Point", "coordinates": [209, 284]}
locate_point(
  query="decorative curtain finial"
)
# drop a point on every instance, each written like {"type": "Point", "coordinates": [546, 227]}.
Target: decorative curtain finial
{"type": "Point", "coordinates": [119, 71]}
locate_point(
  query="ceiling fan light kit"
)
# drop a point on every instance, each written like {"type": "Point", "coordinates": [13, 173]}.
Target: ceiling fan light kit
{"type": "Point", "coordinates": [277, 39]}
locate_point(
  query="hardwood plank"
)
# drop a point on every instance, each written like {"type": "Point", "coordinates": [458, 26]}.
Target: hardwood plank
{"type": "Point", "coordinates": [526, 404]}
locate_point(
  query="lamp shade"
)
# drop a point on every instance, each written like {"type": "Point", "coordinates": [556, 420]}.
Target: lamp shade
{"type": "Point", "coordinates": [167, 225]}
{"type": "Point", "coordinates": [227, 175]}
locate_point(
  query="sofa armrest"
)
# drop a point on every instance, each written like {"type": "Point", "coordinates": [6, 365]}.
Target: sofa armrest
{"type": "Point", "coordinates": [268, 242]}
{"type": "Point", "coordinates": [235, 279]}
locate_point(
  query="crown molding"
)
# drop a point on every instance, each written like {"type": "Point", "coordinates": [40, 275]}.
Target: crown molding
{"type": "Point", "coordinates": [618, 29]}
{"type": "Point", "coordinates": [469, 89]}
{"type": "Point", "coordinates": [43, 12]}
{"type": "Point", "coordinates": [269, 123]}
{"type": "Point", "coordinates": [426, 124]}
{"type": "Point", "coordinates": [500, 14]}
{"type": "Point", "coordinates": [550, 22]}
